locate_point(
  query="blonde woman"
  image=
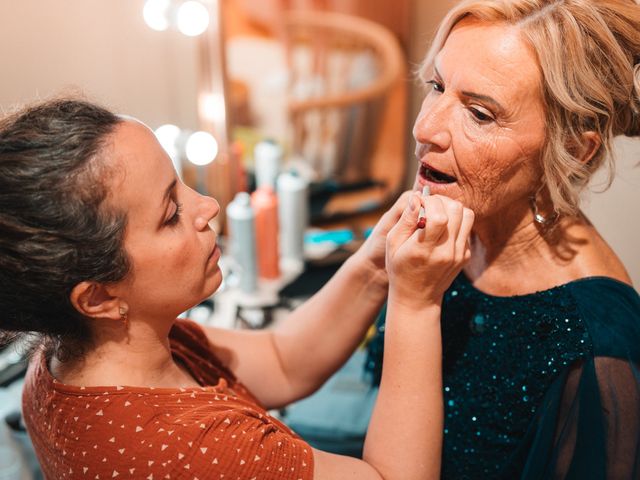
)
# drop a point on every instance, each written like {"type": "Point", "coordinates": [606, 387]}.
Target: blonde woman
{"type": "Point", "coordinates": [541, 331]}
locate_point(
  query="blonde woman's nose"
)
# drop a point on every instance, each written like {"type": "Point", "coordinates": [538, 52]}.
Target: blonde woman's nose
{"type": "Point", "coordinates": [431, 126]}
{"type": "Point", "coordinates": [208, 209]}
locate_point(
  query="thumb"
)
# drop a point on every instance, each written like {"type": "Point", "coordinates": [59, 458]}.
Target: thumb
{"type": "Point", "coordinates": [407, 224]}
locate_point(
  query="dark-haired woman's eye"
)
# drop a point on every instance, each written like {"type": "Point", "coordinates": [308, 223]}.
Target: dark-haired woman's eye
{"type": "Point", "coordinates": [175, 218]}
{"type": "Point", "coordinates": [436, 86]}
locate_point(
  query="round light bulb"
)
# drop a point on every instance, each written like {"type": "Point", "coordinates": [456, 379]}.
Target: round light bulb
{"type": "Point", "coordinates": [156, 14]}
{"type": "Point", "coordinates": [212, 107]}
{"type": "Point", "coordinates": [168, 136]}
{"type": "Point", "coordinates": [201, 148]}
{"type": "Point", "coordinates": [192, 18]}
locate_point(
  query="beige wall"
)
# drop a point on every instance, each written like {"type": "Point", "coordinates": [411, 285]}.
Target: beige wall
{"type": "Point", "coordinates": [616, 211]}
{"type": "Point", "coordinates": [104, 48]}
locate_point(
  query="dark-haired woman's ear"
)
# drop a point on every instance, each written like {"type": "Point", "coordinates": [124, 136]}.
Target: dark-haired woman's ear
{"type": "Point", "coordinates": [591, 142]}
{"type": "Point", "coordinates": [93, 300]}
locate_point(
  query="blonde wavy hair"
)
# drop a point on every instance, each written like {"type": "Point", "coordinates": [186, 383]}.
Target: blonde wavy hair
{"type": "Point", "coordinates": [589, 55]}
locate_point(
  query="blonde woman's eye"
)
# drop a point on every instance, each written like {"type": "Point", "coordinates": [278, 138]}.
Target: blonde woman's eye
{"type": "Point", "coordinates": [436, 86]}
{"type": "Point", "coordinates": [480, 115]}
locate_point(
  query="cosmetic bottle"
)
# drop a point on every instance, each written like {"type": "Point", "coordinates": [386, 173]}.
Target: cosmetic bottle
{"type": "Point", "coordinates": [242, 241]}
{"type": "Point", "coordinates": [293, 215]}
{"type": "Point", "coordinates": [267, 156]}
{"type": "Point", "coordinates": [265, 206]}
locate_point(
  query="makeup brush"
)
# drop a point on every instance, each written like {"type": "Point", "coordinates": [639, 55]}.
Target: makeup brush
{"type": "Point", "coordinates": [422, 219]}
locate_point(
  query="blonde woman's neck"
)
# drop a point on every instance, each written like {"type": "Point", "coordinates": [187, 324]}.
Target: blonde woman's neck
{"type": "Point", "coordinates": [526, 258]}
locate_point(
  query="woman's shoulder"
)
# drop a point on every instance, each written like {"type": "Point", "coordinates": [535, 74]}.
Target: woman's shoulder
{"type": "Point", "coordinates": [189, 343]}
{"type": "Point", "coordinates": [189, 332]}
{"type": "Point", "coordinates": [608, 308]}
{"type": "Point", "coordinates": [107, 431]}
{"type": "Point", "coordinates": [611, 312]}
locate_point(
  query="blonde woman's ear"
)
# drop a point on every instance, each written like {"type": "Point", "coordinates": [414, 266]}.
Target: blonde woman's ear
{"type": "Point", "coordinates": [591, 143]}
{"type": "Point", "coordinates": [93, 300]}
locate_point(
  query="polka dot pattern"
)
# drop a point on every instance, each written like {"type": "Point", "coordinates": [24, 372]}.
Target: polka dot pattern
{"type": "Point", "coordinates": [217, 431]}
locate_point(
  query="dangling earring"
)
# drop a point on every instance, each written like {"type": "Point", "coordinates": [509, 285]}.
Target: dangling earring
{"type": "Point", "coordinates": [539, 218]}
{"type": "Point", "coordinates": [124, 317]}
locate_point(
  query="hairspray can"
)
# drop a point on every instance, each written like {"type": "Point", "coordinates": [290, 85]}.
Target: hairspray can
{"type": "Point", "coordinates": [267, 156]}
{"type": "Point", "coordinates": [293, 214]}
{"type": "Point", "coordinates": [265, 206]}
{"type": "Point", "coordinates": [242, 243]}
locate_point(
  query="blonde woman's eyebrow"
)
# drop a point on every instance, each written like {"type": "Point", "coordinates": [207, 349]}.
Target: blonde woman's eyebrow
{"type": "Point", "coordinates": [483, 98]}
{"type": "Point", "coordinates": [474, 95]}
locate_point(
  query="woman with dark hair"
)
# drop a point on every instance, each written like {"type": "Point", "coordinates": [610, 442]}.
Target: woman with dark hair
{"type": "Point", "coordinates": [102, 247]}
{"type": "Point", "coordinates": [541, 330]}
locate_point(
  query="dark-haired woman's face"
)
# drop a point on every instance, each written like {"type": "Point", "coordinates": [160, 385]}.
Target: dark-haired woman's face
{"type": "Point", "coordinates": [173, 251]}
{"type": "Point", "coordinates": [480, 131]}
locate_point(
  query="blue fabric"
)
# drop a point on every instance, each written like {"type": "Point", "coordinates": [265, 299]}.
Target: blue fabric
{"type": "Point", "coordinates": [335, 418]}
{"type": "Point", "coordinates": [539, 386]}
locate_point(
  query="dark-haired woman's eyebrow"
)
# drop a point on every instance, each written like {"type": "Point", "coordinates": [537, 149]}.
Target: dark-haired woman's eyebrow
{"type": "Point", "coordinates": [169, 190]}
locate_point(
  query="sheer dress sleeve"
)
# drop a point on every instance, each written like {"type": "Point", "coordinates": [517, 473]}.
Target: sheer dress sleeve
{"type": "Point", "coordinates": [588, 425]}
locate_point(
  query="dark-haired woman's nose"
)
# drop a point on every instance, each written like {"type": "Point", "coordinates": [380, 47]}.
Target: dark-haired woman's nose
{"type": "Point", "coordinates": [432, 124]}
{"type": "Point", "coordinates": [208, 209]}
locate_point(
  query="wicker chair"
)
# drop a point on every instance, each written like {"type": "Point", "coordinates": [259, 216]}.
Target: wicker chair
{"type": "Point", "coordinates": [342, 69]}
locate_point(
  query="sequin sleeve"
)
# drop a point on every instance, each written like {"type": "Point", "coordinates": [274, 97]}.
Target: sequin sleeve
{"type": "Point", "coordinates": [588, 425]}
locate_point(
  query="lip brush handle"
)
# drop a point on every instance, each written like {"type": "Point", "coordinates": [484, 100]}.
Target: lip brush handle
{"type": "Point", "coordinates": [422, 219]}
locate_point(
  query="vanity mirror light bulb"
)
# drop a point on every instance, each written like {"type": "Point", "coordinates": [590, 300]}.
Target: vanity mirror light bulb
{"type": "Point", "coordinates": [156, 14]}
{"type": "Point", "coordinates": [201, 148]}
{"type": "Point", "coordinates": [168, 137]}
{"type": "Point", "coordinates": [172, 139]}
{"type": "Point", "coordinates": [192, 18]}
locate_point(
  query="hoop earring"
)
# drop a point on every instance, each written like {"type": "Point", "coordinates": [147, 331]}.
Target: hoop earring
{"type": "Point", "coordinates": [124, 317]}
{"type": "Point", "coordinates": [539, 218]}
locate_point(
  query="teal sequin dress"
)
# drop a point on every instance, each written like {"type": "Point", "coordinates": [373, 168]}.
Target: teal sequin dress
{"type": "Point", "coordinates": [545, 385]}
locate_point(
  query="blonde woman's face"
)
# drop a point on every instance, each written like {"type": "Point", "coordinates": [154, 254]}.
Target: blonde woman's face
{"type": "Point", "coordinates": [480, 131]}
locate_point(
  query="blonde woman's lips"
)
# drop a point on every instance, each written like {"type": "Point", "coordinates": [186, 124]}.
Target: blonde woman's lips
{"type": "Point", "coordinates": [434, 175]}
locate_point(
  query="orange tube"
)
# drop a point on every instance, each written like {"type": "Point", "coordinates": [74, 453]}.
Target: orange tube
{"type": "Point", "coordinates": [265, 205]}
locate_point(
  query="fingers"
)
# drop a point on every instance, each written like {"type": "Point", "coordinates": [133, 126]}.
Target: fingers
{"type": "Point", "coordinates": [402, 202]}
{"type": "Point", "coordinates": [449, 226]}
{"type": "Point", "coordinates": [406, 223]}
{"type": "Point", "coordinates": [391, 216]}
{"type": "Point", "coordinates": [454, 214]}
{"type": "Point", "coordinates": [437, 218]}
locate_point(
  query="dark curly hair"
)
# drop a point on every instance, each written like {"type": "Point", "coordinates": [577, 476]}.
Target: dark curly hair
{"type": "Point", "coordinates": [56, 229]}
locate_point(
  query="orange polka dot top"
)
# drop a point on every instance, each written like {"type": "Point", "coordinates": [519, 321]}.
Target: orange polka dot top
{"type": "Point", "coordinates": [217, 431]}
